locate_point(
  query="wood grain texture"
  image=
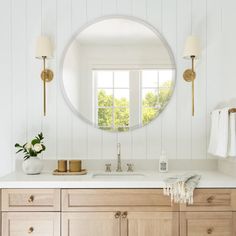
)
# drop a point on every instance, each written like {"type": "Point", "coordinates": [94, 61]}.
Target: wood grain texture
{"type": "Point", "coordinates": [74, 199]}
{"type": "Point", "coordinates": [212, 200]}
{"type": "Point", "coordinates": [31, 200]}
{"type": "Point", "coordinates": [90, 224]}
{"type": "Point", "coordinates": [207, 223]}
{"type": "Point", "coordinates": [42, 224]}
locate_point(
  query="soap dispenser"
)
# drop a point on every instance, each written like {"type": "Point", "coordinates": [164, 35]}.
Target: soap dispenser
{"type": "Point", "coordinates": [163, 162]}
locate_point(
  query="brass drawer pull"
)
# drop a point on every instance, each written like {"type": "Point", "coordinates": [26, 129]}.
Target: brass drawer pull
{"type": "Point", "coordinates": [210, 199]}
{"type": "Point", "coordinates": [210, 231]}
{"type": "Point", "coordinates": [124, 214]}
{"type": "Point", "coordinates": [31, 199]}
{"type": "Point", "coordinates": [31, 230]}
{"type": "Point", "coordinates": [117, 214]}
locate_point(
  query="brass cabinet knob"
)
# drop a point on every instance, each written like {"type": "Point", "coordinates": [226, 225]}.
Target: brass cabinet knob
{"type": "Point", "coordinates": [210, 231]}
{"type": "Point", "coordinates": [117, 214]}
{"type": "Point", "coordinates": [210, 199]}
{"type": "Point", "coordinates": [31, 230]}
{"type": "Point", "coordinates": [124, 214]}
{"type": "Point", "coordinates": [31, 199]}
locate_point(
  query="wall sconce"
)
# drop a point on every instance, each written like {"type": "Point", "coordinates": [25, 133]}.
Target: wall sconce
{"type": "Point", "coordinates": [191, 51]}
{"type": "Point", "coordinates": [44, 50]}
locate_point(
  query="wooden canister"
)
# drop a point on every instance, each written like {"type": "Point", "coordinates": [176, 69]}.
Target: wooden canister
{"type": "Point", "coordinates": [62, 165]}
{"type": "Point", "coordinates": [75, 165]}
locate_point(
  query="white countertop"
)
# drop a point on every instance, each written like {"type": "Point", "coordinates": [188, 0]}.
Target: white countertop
{"type": "Point", "coordinates": [210, 179]}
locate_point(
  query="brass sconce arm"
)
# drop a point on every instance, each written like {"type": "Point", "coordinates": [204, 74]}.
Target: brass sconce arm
{"type": "Point", "coordinates": [189, 76]}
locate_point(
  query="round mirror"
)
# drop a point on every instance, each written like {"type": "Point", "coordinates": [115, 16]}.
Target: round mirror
{"type": "Point", "coordinates": [118, 73]}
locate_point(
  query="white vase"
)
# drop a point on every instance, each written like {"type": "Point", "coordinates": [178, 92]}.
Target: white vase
{"type": "Point", "coordinates": [32, 166]}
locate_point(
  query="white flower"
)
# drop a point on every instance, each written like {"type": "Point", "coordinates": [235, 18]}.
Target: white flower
{"type": "Point", "coordinates": [37, 147]}
{"type": "Point", "coordinates": [28, 146]}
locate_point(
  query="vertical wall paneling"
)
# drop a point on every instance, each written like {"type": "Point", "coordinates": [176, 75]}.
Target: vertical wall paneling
{"type": "Point", "coordinates": [64, 115]}
{"type": "Point", "coordinates": [19, 74]}
{"type": "Point", "coordinates": [154, 129]}
{"type": "Point", "coordinates": [169, 125]}
{"type": "Point", "coordinates": [183, 89]}
{"type": "Point", "coordinates": [109, 7]}
{"type": "Point", "coordinates": [79, 128]}
{"type": "Point", "coordinates": [66, 136]}
{"type": "Point", "coordinates": [34, 67]}
{"type": "Point", "coordinates": [124, 7]}
{"type": "Point", "coordinates": [199, 120]}
{"type": "Point", "coordinates": [49, 128]}
{"type": "Point", "coordinates": [6, 90]}
{"type": "Point", "coordinates": [94, 10]}
{"type": "Point", "coordinates": [215, 79]}
{"type": "Point", "coordinates": [139, 138]}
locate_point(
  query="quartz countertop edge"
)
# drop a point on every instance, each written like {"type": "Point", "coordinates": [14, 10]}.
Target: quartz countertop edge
{"type": "Point", "coordinates": [209, 179]}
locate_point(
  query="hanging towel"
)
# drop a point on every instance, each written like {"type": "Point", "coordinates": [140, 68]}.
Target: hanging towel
{"type": "Point", "coordinates": [181, 187]}
{"type": "Point", "coordinates": [215, 116]}
{"type": "Point", "coordinates": [232, 136]}
{"type": "Point", "coordinates": [223, 133]}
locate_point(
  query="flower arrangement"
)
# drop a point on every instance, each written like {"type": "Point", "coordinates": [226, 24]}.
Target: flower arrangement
{"type": "Point", "coordinates": [33, 148]}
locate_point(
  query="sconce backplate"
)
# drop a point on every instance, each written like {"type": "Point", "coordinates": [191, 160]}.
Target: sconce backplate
{"type": "Point", "coordinates": [47, 75]}
{"type": "Point", "coordinates": [189, 75]}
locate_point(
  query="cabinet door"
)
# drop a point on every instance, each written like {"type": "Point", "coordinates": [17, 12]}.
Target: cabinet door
{"type": "Point", "coordinates": [90, 224]}
{"type": "Point", "coordinates": [30, 223]}
{"type": "Point", "coordinates": [207, 223]}
{"type": "Point", "coordinates": [150, 223]}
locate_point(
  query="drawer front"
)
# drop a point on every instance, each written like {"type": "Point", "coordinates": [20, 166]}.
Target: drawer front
{"type": "Point", "coordinates": [40, 224]}
{"type": "Point", "coordinates": [207, 223]}
{"type": "Point", "coordinates": [31, 200]}
{"type": "Point", "coordinates": [212, 200]}
{"type": "Point", "coordinates": [75, 199]}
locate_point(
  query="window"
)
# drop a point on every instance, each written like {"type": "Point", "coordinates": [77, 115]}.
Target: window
{"type": "Point", "coordinates": [127, 98]}
{"type": "Point", "coordinates": [112, 99]}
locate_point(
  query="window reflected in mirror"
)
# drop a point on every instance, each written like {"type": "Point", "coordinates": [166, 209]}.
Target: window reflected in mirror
{"type": "Point", "coordinates": [129, 98]}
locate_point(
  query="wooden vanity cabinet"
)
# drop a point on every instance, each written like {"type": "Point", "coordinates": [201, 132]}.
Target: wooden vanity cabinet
{"type": "Point", "coordinates": [30, 212]}
{"type": "Point", "coordinates": [118, 212]}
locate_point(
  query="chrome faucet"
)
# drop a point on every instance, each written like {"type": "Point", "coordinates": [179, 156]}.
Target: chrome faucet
{"type": "Point", "coordinates": [118, 169]}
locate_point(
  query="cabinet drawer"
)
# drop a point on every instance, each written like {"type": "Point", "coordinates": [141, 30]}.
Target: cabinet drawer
{"type": "Point", "coordinates": [31, 200]}
{"type": "Point", "coordinates": [207, 223]}
{"type": "Point", "coordinates": [212, 200]}
{"type": "Point", "coordinates": [76, 199]}
{"type": "Point", "coordinates": [40, 224]}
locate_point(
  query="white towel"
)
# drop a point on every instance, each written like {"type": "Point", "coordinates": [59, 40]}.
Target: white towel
{"type": "Point", "coordinates": [215, 116]}
{"type": "Point", "coordinates": [223, 133]}
{"type": "Point", "coordinates": [232, 136]}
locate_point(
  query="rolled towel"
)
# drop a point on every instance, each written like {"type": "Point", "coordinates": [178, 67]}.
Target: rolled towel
{"type": "Point", "coordinates": [222, 146]}
{"type": "Point", "coordinates": [181, 187]}
{"type": "Point", "coordinates": [232, 136]}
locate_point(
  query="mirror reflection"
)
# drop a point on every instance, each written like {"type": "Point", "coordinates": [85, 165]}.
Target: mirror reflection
{"type": "Point", "coordinates": [118, 74]}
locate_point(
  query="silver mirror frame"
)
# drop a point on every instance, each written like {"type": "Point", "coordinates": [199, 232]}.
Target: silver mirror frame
{"type": "Point", "coordinates": [89, 23]}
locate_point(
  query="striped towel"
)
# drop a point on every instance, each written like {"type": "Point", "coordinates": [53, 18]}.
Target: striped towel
{"type": "Point", "coordinates": [180, 188]}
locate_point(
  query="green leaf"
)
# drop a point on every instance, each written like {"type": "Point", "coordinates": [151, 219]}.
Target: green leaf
{"type": "Point", "coordinates": [19, 150]}
{"type": "Point", "coordinates": [17, 145]}
{"type": "Point", "coordinates": [34, 141]}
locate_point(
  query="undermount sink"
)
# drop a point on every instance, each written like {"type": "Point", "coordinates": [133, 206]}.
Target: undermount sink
{"type": "Point", "coordinates": [118, 175]}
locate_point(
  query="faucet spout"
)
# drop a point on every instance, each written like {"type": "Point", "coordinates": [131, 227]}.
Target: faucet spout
{"type": "Point", "coordinates": [118, 169]}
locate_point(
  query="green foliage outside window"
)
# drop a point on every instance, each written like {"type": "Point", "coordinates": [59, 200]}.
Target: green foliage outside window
{"type": "Point", "coordinates": [151, 105]}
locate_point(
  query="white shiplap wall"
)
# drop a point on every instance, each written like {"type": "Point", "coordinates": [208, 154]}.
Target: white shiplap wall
{"type": "Point", "coordinates": [182, 136]}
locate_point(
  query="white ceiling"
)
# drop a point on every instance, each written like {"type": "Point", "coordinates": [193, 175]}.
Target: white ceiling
{"type": "Point", "coordinates": [118, 32]}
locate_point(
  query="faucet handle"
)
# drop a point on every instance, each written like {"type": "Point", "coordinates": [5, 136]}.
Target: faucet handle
{"type": "Point", "coordinates": [108, 167]}
{"type": "Point", "coordinates": [130, 167]}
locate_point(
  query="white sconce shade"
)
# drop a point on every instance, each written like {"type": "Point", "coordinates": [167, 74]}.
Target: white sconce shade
{"type": "Point", "coordinates": [44, 47]}
{"type": "Point", "coordinates": [192, 47]}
